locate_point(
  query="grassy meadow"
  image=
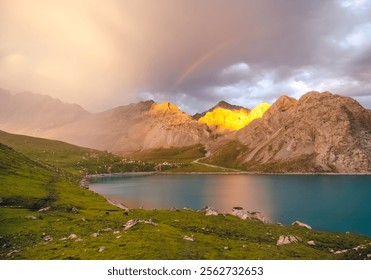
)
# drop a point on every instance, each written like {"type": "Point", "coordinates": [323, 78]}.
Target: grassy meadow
{"type": "Point", "coordinates": [45, 214]}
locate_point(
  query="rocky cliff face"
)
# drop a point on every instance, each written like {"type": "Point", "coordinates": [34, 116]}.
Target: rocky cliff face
{"type": "Point", "coordinates": [319, 132]}
{"type": "Point", "coordinates": [224, 117]}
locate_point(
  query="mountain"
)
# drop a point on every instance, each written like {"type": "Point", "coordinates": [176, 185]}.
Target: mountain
{"type": "Point", "coordinates": [224, 117]}
{"type": "Point", "coordinates": [141, 126]}
{"type": "Point", "coordinates": [320, 132]}
{"type": "Point", "coordinates": [33, 114]}
{"type": "Point", "coordinates": [223, 105]}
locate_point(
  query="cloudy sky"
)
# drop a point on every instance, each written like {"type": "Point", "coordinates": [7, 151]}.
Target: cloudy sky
{"type": "Point", "coordinates": [194, 53]}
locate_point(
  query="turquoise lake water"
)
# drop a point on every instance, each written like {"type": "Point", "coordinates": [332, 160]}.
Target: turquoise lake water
{"type": "Point", "coordinates": [337, 203]}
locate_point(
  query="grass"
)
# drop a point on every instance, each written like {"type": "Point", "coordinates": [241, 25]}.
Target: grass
{"type": "Point", "coordinates": [227, 155]}
{"type": "Point", "coordinates": [175, 154]}
{"type": "Point", "coordinates": [82, 225]}
{"type": "Point", "coordinates": [73, 159]}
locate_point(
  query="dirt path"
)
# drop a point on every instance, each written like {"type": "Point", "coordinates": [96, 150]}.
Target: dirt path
{"type": "Point", "coordinates": [215, 166]}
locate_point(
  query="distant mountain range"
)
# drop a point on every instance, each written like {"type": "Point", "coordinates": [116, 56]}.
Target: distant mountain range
{"type": "Point", "coordinates": [320, 132]}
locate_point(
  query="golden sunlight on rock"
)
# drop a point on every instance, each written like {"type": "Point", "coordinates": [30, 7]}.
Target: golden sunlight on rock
{"type": "Point", "coordinates": [166, 106]}
{"type": "Point", "coordinates": [224, 119]}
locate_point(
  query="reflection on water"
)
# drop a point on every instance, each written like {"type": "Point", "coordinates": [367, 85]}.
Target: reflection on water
{"type": "Point", "coordinates": [337, 203]}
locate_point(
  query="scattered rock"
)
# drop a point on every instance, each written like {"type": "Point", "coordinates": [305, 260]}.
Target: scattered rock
{"type": "Point", "coordinates": [84, 183]}
{"type": "Point", "coordinates": [106, 229]}
{"type": "Point", "coordinates": [129, 224]}
{"type": "Point", "coordinates": [116, 232]}
{"type": "Point", "coordinates": [210, 211]}
{"type": "Point", "coordinates": [95, 234]}
{"type": "Point", "coordinates": [101, 249]}
{"type": "Point", "coordinates": [118, 236]}
{"type": "Point", "coordinates": [244, 214]}
{"type": "Point", "coordinates": [44, 209]}
{"type": "Point", "coordinates": [189, 238]}
{"type": "Point", "coordinates": [226, 248]}
{"type": "Point", "coordinates": [47, 238]}
{"type": "Point", "coordinates": [31, 217]}
{"type": "Point", "coordinates": [283, 240]}
{"type": "Point", "coordinates": [311, 242]}
{"type": "Point", "coordinates": [74, 210]}
{"type": "Point", "coordinates": [186, 208]}
{"type": "Point", "coordinates": [301, 224]}
{"type": "Point", "coordinates": [12, 252]}
{"type": "Point", "coordinates": [78, 240]}
{"type": "Point", "coordinates": [72, 236]}
{"type": "Point", "coordinates": [340, 252]}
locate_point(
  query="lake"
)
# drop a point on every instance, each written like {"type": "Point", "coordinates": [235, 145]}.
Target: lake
{"type": "Point", "coordinates": [337, 203]}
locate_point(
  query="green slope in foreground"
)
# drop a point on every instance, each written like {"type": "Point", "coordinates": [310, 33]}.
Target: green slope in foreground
{"type": "Point", "coordinates": [80, 224]}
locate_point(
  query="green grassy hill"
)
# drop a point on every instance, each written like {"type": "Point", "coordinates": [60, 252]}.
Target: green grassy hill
{"type": "Point", "coordinates": [79, 224]}
{"type": "Point", "coordinates": [76, 160]}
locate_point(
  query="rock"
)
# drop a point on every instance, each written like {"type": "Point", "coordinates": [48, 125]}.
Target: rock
{"type": "Point", "coordinates": [84, 183]}
{"type": "Point", "coordinates": [283, 240]}
{"type": "Point", "coordinates": [12, 252]}
{"type": "Point", "coordinates": [307, 133]}
{"type": "Point", "coordinates": [106, 229]}
{"type": "Point", "coordinates": [244, 215]}
{"type": "Point", "coordinates": [189, 238]}
{"type": "Point", "coordinates": [311, 242]}
{"type": "Point", "coordinates": [101, 249]}
{"type": "Point", "coordinates": [72, 236]}
{"type": "Point", "coordinates": [116, 232]}
{"type": "Point", "coordinates": [340, 252]}
{"type": "Point", "coordinates": [47, 238]}
{"type": "Point", "coordinates": [210, 212]}
{"type": "Point", "coordinates": [226, 248]}
{"type": "Point", "coordinates": [129, 224]}
{"type": "Point", "coordinates": [301, 224]}
{"type": "Point", "coordinates": [44, 209]}
{"type": "Point", "coordinates": [31, 217]}
{"type": "Point", "coordinates": [74, 210]}
{"type": "Point", "coordinates": [95, 234]}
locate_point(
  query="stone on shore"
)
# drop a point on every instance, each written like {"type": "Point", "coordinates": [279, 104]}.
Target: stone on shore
{"type": "Point", "coordinates": [210, 211]}
{"type": "Point", "coordinates": [244, 215]}
{"type": "Point", "coordinates": [301, 224]}
{"type": "Point", "coordinates": [288, 239]}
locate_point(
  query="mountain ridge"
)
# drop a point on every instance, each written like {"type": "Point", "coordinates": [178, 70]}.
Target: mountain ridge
{"type": "Point", "coordinates": [319, 132]}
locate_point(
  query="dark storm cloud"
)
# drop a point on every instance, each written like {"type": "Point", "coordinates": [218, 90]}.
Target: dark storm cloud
{"type": "Point", "coordinates": [192, 53]}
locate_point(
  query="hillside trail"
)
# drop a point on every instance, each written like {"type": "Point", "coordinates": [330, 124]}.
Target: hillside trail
{"type": "Point", "coordinates": [215, 166]}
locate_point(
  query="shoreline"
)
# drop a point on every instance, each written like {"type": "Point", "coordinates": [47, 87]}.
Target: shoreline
{"type": "Point", "coordinates": [217, 173]}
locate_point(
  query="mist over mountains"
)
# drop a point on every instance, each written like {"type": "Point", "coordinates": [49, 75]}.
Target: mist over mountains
{"type": "Point", "coordinates": [320, 132]}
